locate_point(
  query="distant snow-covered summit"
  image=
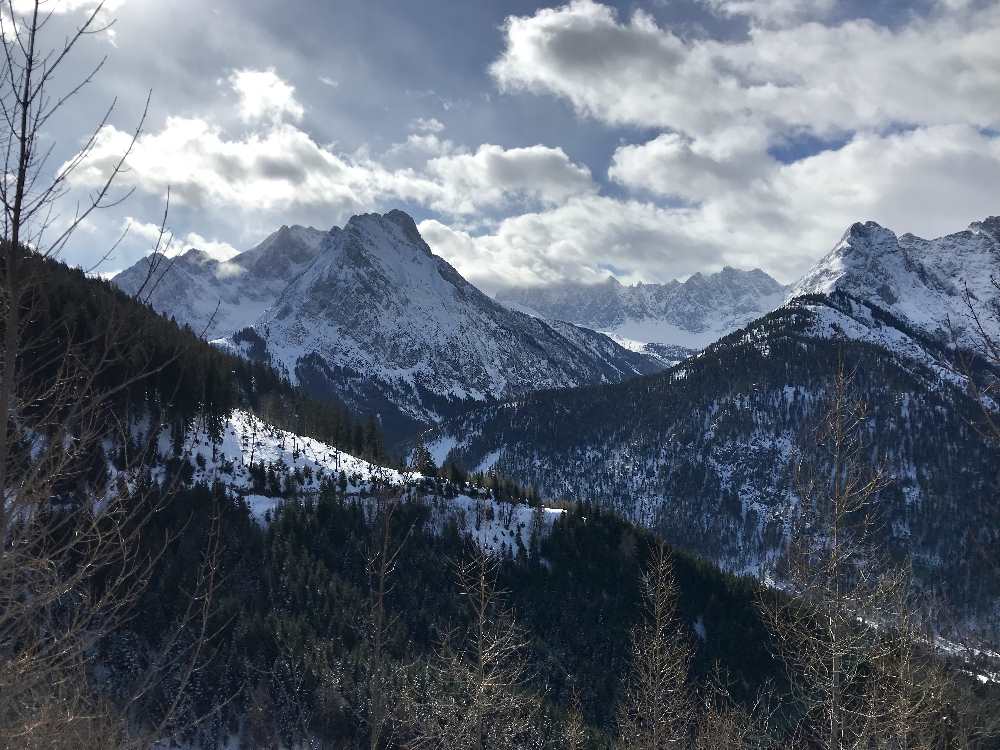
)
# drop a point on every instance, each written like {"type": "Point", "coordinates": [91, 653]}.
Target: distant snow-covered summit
{"type": "Point", "coordinates": [216, 297]}
{"type": "Point", "coordinates": [673, 319]}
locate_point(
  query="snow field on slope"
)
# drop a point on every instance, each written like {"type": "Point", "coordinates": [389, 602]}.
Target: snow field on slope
{"type": "Point", "coordinates": [246, 439]}
{"type": "Point", "coordinates": [494, 526]}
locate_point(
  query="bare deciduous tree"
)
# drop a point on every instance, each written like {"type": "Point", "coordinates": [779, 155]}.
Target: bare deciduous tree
{"type": "Point", "coordinates": [71, 565]}
{"type": "Point", "coordinates": [845, 632]}
{"type": "Point", "coordinates": [381, 564]}
{"type": "Point", "coordinates": [475, 695]}
{"type": "Point", "coordinates": [657, 709]}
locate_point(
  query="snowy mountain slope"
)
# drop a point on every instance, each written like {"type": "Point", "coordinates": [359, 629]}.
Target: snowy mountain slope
{"type": "Point", "coordinates": [383, 324]}
{"type": "Point", "coordinates": [302, 465]}
{"type": "Point", "coordinates": [707, 451]}
{"type": "Point", "coordinates": [220, 297]}
{"type": "Point", "coordinates": [246, 440]}
{"type": "Point", "coordinates": [678, 318]}
{"type": "Point", "coordinates": [923, 282]}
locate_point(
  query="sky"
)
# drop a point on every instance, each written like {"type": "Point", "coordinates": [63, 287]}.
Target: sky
{"type": "Point", "coordinates": [538, 143]}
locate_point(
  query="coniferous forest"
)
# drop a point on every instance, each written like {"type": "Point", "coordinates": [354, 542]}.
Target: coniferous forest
{"type": "Point", "coordinates": [348, 489]}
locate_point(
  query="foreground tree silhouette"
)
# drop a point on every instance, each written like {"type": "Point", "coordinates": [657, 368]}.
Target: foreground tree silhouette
{"type": "Point", "coordinates": [70, 524]}
{"type": "Point", "coordinates": [474, 695]}
{"type": "Point", "coordinates": [846, 632]}
{"type": "Point", "coordinates": [657, 710]}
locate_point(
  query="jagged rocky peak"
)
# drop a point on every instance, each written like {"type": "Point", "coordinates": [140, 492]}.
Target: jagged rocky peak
{"type": "Point", "coordinates": [393, 230]}
{"type": "Point", "coordinates": [194, 255]}
{"type": "Point", "coordinates": [990, 225]}
{"type": "Point", "coordinates": [378, 319]}
{"type": "Point", "coordinates": [919, 280]}
{"type": "Point", "coordinates": [283, 252]}
{"type": "Point", "coordinates": [688, 315]}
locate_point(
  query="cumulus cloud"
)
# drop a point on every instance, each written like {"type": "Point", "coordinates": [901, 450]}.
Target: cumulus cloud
{"type": "Point", "coordinates": [929, 181]}
{"type": "Point", "coordinates": [203, 167]}
{"type": "Point", "coordinates": [816, 78]}
{"type": "Point", "coordinates": [276, 166]}
{"type": "Point", "coordinates": [677, 166]}
{"type": "Point", "coordinates": [264, 96]}
{"type": "Point", "coordinates": [494, 176]}
{"type": "Point", "coordinates": [586, 239]}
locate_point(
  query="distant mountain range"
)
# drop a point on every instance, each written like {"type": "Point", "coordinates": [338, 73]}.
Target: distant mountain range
{"type": "Point", "coordinates": [369, 315]}
{"type": "Point", "coordinates": [671, 321]}
{"type": "Point", "coordinates": [706, 452]}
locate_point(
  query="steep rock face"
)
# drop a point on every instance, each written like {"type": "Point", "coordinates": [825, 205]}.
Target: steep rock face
{"type": "Point", "coordinates": [378, 319]}
{"type": "Point", "coordinates": [707, 452]}
{"type": "Point", "coordinates": [216, 297]}
{"type": "Point", "coordinates": [675, 319]}
{"type": "Point", "coordinates": [369, 315]}
{"type": "Point", "coordinates": [922, 282]}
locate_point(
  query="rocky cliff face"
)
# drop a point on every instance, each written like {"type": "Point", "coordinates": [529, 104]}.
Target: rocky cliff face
{"type": "Point", "coordinates": [369, 315]}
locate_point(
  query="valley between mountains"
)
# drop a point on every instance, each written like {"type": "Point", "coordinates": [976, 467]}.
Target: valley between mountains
{"type": "Point", "coordinates": [683, 407]}
{"type": "Point", "coordinates": [330, 438]}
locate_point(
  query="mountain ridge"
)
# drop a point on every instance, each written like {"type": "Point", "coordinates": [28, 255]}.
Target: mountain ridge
{"type": "Point", "coordinates": [673, 320]}
{"type": "Point", "coordinates": [377, 316]}
{"type": "Point", "coordinates": [369, 315]}
{"type": "Point", "coordinates": [706, 452]}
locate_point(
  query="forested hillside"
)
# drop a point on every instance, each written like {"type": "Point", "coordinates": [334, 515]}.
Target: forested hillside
{"type": "Point", "coordinates": [143, 362]}
{"type": "Point", "coordinates": [277, 627]}
{"type": "Point", "coordinates": [707, 453]}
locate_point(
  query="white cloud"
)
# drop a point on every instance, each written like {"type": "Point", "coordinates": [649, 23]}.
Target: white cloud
{"type": "Point", "coordinates": [271, 170]}
{"type": "Point", "coordinates": [677, 166]}
{"type": "Point", "coordinates": [172, 246]}
{"type": "Point", "coordinates": [821, 79]}
{"type": "Point", "coordinates": [264, 96]}
{"type": "Point", "coordinates": [775, 12]}
{"type": "Point", "coordinates": [426, 125]}
{"type": "Point", "coordinates": [494, 176]}
{"type": "Point", "coordinates": [280, 167]}
{"type": "Point", "coordinates": [929, 181]}
{"type": "Point", "coordinates": [584, 239]}
{"type": "Point", "coordinates": [67, 6]}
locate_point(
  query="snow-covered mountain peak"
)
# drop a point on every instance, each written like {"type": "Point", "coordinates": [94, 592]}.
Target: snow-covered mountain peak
{"type": "Point", "coordinates": [220, 297]}
{"type": "Point", "coordinates": [675, 317]}
{"type": "Point", "coordinates": [380, 321]}
{"type": "Point", "coordinates": [922, 281]}
{"type": "Point", "coordinates": [284, 253]}
{"type": "Point", "coordinates": [394, 232]}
